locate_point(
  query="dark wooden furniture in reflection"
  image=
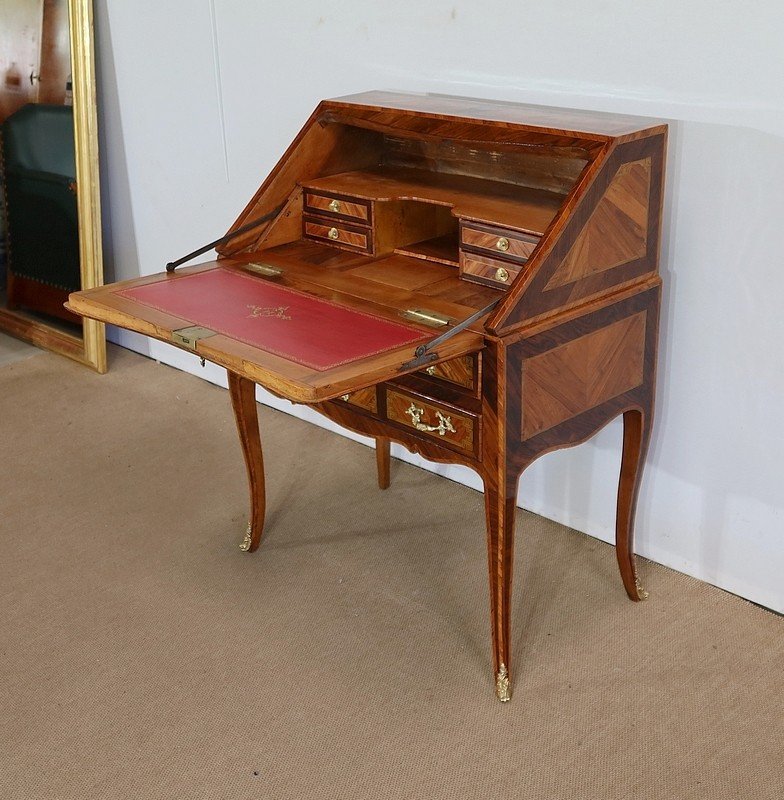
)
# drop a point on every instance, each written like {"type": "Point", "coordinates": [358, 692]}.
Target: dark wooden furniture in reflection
{"type": "Point", "coordinates": [412, 209]}
{"type": "Point", "coordinates": [39, 185]}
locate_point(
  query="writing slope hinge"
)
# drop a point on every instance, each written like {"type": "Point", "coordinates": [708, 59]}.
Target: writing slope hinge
{"type": "Point", "coordinates": [426, 317]}
{"type": "Point", "coordinates": [188, 337]}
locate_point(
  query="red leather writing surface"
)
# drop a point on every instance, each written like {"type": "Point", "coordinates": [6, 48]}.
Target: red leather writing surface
{"type": "Point", "coordinates": [301, 328]}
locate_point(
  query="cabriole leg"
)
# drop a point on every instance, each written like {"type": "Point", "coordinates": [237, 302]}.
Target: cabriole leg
{"type": "Point", "coordinates": [243, 401]}
{"type": "Point", "coordinates": [636, 434]}
{"type": "Point", "coordinates": [382, 462]}
{"type": "Point", "coordinates": [500, 509]}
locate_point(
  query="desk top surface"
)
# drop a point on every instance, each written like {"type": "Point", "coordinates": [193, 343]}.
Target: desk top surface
{"type": "Point", "coordinates": [557, 120]}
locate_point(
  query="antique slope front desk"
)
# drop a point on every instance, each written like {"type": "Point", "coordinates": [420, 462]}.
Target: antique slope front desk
{"type": "Point", "coordinates": [391, 222]}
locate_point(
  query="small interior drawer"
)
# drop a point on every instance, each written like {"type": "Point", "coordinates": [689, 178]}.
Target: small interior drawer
{"type": "Point", "coordinates": [337, 233]}
{"type": "Point", "coordinates": [443, 423]}
{"type": "Point", "coordinates": [489, 271]}
{"type": "Point", "coordinates": [338, 206]}
{"type": "Point", "coordinates": [498, 241]}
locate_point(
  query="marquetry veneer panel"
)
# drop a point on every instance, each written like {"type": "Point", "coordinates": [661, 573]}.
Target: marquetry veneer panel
{"type": "Point", "coordinates": [617, 230]}
{"type": "Point", "coordinates": [579, 375]}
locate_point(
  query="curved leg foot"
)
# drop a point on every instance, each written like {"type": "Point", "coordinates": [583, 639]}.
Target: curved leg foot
{"type": "Point", "coordinates": [636, 435]}
{"type": "Point", "coordinates": [243, 401]}
{"type": "Point", "coordinates": [500, 508]}
{"type": "Point", "coordinates": [382, 462]}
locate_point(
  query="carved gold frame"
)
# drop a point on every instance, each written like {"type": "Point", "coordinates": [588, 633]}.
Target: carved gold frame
{"type": "Point", "coordinates": [90, 348]}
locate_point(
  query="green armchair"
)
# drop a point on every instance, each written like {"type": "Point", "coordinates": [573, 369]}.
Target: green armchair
{"type": "Point", "coordinates": [42, 226]}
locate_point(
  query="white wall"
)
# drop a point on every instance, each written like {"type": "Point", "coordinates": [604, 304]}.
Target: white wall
{"type": "Point", "coordinates": [189, 135]}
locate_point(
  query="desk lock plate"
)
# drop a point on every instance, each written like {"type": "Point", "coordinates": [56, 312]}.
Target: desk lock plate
{"type": "Point", "coordinates": [188, 337]}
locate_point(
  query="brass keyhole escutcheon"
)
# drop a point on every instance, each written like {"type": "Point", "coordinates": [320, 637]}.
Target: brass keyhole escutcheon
{"type": "Point", "coordinates": [502, 275]}
{"type": "Point", "coordinates": [335, 206]}
{"type": "Point", "coordinates": [502, 244]}
{"type": "Point", "coordinates": [333, 233]}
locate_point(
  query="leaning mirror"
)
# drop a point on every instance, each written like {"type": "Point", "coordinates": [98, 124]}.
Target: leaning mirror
{"type": "Point", "coordinates": [50, 207]}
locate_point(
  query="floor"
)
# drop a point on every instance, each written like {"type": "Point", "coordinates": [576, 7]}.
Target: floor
{"type": "Point", "coordinates": [14, 349]}
{"type": "Point", "coordinates": [142, 655]}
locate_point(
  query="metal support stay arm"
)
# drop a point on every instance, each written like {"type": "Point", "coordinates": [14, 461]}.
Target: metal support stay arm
{"type": "Point", "coordinates": [425, 353]}
{"type": "Point", "coordinates": [257, 223]}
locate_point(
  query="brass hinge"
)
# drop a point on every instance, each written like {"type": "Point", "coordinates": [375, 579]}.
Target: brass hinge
{"type": "Point", "coordinates": [425, 317]}
{"type": "Point", "coordinates": [264, 269]}
{"type": "Point", "coordinates": [188, 337]}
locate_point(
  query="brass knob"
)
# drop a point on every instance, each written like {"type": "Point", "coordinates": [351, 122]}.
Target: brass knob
{"type": "Point", "coordinates": [345, 397]}
{"type": "Point", "coordinates": [431, 370]}
{"type": "Point", "coordinates": [335, 206]}
{"type": "Point", "coordinates": [333, 233]}
{"type": "Point", "coordinates": [502, 275]}
{"type": "Point", "coordinates": [502, 244]}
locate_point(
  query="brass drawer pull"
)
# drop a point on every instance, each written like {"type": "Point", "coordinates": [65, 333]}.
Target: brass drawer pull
{"type": "Point", "coordinates": [444, 423]}
{"type": "Point", "coordinates": [502, 275]}
{"type": "Point", "coordinates": [333, 233]}
{"type": "Point", "coordinates": [502, 244]}
{"type": "Point", "coordinates": [335, 206]}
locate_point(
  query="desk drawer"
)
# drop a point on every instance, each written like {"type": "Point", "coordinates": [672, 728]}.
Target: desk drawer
{"type": "Point", "coordinates": [330, 205]}
{"type": "Point", "coordinates": [498, 242]}
{"type": "Point", "coordinates": [489, 271]}
{"type": "Point", "coordinates": [362, 398]}
{"type": "Point", "coordinates": [445, 424]}
{"type": "Point", "coordinates": [461, 371]}
{"type": "Point", "coordinates": [337, 233]}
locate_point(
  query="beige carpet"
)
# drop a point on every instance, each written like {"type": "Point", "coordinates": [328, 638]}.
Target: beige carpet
{"type": "Point", "coordinates": [144, 656]}
{"type": "Point", "coordinates": [12, 349]}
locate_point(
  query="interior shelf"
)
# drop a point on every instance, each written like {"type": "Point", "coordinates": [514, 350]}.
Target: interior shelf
{"type": "Point", "coordinates": [441, 249]}
{"type": "Point", "coordinates": [505, 204]}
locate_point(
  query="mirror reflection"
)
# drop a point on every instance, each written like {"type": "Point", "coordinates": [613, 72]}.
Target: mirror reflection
{"type": "Point", "coordinates": [39, 225]}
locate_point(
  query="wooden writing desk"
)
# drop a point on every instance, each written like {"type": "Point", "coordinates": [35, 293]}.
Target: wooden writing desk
{"type": "Point", "coordinates": [390, 220]}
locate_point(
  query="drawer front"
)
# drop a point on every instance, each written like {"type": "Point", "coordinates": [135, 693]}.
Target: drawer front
{"type": "Point", "coordinates": [338, 206]}
{"type": "Point", "coordinates": [442, 423]}
{"type": "Point", "coordinates": [499, 242]}
{"type": "Point", "coordinates": [362, 398]}
{"type": "Point", "coordinates": [338, 234]}
{"type": "Point", "coordinates": [488, 271]}
{"type": "Point", "coordinates": [461, 371]}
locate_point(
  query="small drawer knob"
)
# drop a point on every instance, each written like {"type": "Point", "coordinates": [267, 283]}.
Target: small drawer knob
{"type": "Point", "coordinates": [335, 206]}
{"type": "Point", "coordinates": [431, 370]}
{"type": "Point", "coordinates": [502, 275]}
{"type": "Point", "coordinates": [345, 397]}
{"type": "Point", "coordinates": [502, 244]}
{"type": "Point", "coordinates": [333, 233]}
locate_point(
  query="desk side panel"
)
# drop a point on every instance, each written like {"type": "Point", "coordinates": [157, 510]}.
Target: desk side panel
{"type": "Point", "coordinates": [567, 381]}
{"type": "Point", "coordinates": [608, 236]}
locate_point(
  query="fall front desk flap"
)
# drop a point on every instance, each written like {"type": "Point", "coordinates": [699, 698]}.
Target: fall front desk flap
{"type": "Point", "coordinates": [318, 339]}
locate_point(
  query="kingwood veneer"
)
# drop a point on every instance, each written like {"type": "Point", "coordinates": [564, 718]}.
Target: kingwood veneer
{"type": "Point", "coordinates": [389, 204]}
